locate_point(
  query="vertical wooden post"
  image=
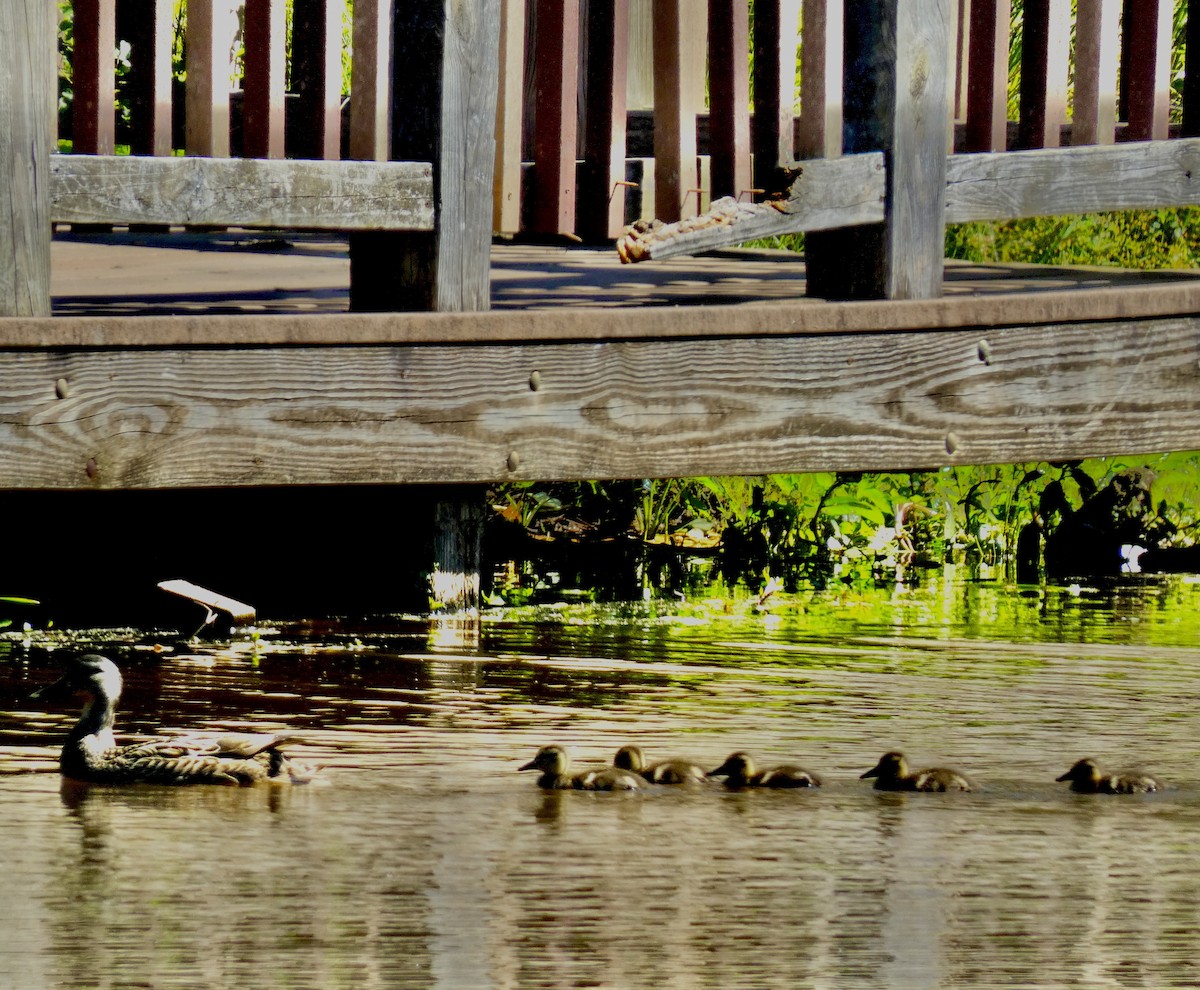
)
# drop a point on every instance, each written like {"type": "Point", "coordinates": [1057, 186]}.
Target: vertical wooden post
{"type": "Point", "coordinates": [820, 132]}
{"type": "Point", "coordinates": [898, 90]}
{"type": "Point", "coordinates": [962, 44]}
{"type": "Point", "coordinates": [206, 96]}
{"type": "Point", "coordinates": [444, 114]}
{"type": "Point", "coordinates": [1146, 63]}
{"type": "Point", "coordinates": [93, 115]}
{"type": "Point", "coordinates": [556, 117]}
{"type": "Point", "coordinates": [729, 97]}
{"type": "Point", "coordinates": [1191, 73]}
{"type": "Point", "coordinates": [676, 173]}
{"type": "Point", "coordinates": [147, 27]}
{"type": "Point", "coordinates": [317, 77]}
{"type": "Point", "coordinates": [370, 71]}
{"type": "Point", "coordinates": [601, 196]}
{"type": "Point", "coordinates": [27, 81]}
{"type": "Point", "coordinates": [1097, 31]}
{"type": "Point", "coordinates": [987, 76]}
{"type": "Point", "coordinates": [1045, 42]}
{"type": "Point", "coordinates": [263, 81]}
{"type": "Point", "coordinates": [773, 137]}
{"type": "Point", "coordinates": [510, 98]}
{"type": "Point", "coordinates": [458, 548]}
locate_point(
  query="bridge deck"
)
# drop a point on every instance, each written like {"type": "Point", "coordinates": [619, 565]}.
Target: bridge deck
{"type": "Point", "coordinates": [254, 273]}
{"type": "Point", "coordinates": [230, 361]}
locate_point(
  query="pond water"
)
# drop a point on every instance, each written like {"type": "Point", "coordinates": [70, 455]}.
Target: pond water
{"type": "Point", "coordinates": [424, 859]}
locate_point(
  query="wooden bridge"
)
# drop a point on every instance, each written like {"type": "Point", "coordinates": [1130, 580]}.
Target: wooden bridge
{"type": "Point", "coordinates": [521, 119]}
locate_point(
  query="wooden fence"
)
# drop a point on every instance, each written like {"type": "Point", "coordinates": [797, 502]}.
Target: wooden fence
{"type": "Point", "coordinates": [601, 118]}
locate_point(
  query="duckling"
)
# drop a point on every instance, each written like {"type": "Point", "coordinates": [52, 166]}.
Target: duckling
{"type": "Point", "coordinates": [891, 773]}
{"type": "Point", "coordinates": [632, 758]}
{"type": "Point", "coordinates": [1086, 778]}
{"type": "Point", "coordinates": [738, 771]}
{"type": "Point", "coordinates": [92, 754]}
{"type": "Point", "coordinates": [555, 765]}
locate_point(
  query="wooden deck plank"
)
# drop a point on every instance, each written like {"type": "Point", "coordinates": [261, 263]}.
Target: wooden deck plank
{"type": "Point", "coordinates": [166, 418]}
{"type": "Point", "coordinates": [220, 290]}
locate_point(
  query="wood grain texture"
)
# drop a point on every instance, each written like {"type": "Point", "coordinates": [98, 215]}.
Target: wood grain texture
{"type": "Point", "coordinates": [916, 229]}
{"type": "Point", "coordinates": [361, 415]}
{"type": "Point", "coordinates": [1073, 180]}
{"type": "Point", "coordinates": [242, 192]}
{"type": "Point", "coordinates": [987, 76]}
{"type": "Point", "coordinates": [27, 82]}
{"type": "Point", "coordinates": [445, 114]}
{"type": "Point", "coordinates": [897, 100]}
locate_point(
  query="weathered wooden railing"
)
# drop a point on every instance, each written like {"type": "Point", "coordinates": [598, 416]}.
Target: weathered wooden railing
{"type": "Point", "coordinates": [573, 82]}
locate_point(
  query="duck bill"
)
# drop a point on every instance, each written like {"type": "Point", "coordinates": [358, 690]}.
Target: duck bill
{"type": "Point", "coordinates": [873, 772]}
{"type": "Point", "coordinates": [1065, 776]}
{"type": "Point", "coordinates": [531, 765]}
{"type": "Point", "coordinates": [52, 692]}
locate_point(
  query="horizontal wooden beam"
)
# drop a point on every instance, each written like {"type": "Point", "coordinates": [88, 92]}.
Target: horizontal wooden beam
{"type": "Point", "coordinates": [1155, 294]}
{"type": "Point", "coordinates": [242, 192]}
{"type": "Point", "coordinates": [848, 191]}
{"type": "Point", "coordinates": [826, 194]}
{"type": "Point", "coordinates": [413, 413]}
{"type": "Point", "coordinates": [1055, 181]}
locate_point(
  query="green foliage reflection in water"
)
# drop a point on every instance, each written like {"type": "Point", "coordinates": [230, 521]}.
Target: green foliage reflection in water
{"type": "Point", "coordinates": [784, 533]}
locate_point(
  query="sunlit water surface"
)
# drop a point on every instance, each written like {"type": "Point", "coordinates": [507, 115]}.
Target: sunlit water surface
{"type": "Point", "coordinates": [425, 860]}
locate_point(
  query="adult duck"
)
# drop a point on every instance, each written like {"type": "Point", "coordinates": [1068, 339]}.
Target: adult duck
{"type": "Point", "coordinates": [555, 765]}
{"type": "Point", "coordinates": [632, 758]}
{"type": "Point", "coordinates": [891, 773]}
{"type": "Point", "coordinates": [739, 771]}
{"type": "Point", "coordinates": [91, 752]}
{"type": "Point", "coordinates": [1086, 778]}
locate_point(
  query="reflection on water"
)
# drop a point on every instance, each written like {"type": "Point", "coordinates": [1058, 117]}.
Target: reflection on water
{"type": "Point", "coordinates": [426, 860]}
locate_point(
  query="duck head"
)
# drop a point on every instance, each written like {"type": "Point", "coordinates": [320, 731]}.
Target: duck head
{"type": "Point", "coordinates": [1083, 772]}
{"type": "Point", "coordinates": [738, 766]}
{"type": "Point", "coordinates": [552, 760]}
{"type": "Point", "coordinates": [891, 766]}
{"type": "Point", "coordinates": [91, 675]}
{"type": "Point", "coordinates": [630, 758]}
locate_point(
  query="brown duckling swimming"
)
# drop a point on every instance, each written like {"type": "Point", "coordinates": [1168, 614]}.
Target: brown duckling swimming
{"type": "Point", "coordinates": [1086, 778]}
{"type": "Point", "coordinates": [555, 766]}
{"type": "Point", "coordinates": [632, 758]}
{"type": "Point", "coordinates": [891, 773]}
{"type": "Point", "coordinates": [91, 752]}
{"type": "Point", "coordinates": [739, 771]}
